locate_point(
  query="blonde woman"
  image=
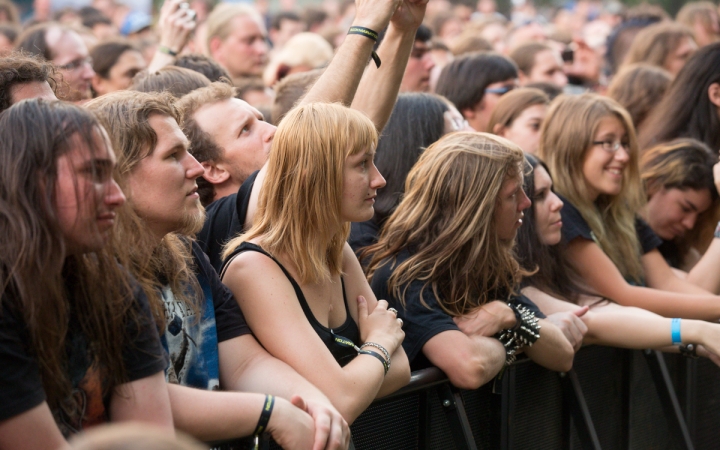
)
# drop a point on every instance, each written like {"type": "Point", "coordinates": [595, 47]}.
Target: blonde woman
{"type": "Point", "coordinates": [589, 144]}
{"type": "Point", "coordinates": [298, 282]}
{"type": "Point", "coordinates": [446, 254]}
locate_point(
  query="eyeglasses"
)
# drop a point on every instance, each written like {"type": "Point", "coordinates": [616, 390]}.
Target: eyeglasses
{"type": "Point", "coordinates": [76, 64]}
{"type": "Point", "coordinates": [499, 90]}
{"type": "Point", "coordinates": [612, 146]}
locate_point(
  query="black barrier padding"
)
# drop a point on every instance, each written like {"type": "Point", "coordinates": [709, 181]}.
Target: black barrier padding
{"type": "Point", "coordinates": [538, 409]}
{"type": "Point", "coordinates": [707, 406]}
{"type": "Point", "coordinates": [484, 420]}
{"type": "Point", "coordinates": [648, 423]}
{"type": "Point", "coordinates": [441, 437]}
{"type": "Point", "coordinates": [390, 425]}
{"type": "Point", "coordinates": [600, 373]}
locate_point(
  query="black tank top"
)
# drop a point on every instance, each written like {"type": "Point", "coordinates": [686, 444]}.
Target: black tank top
{"type": "Point", "coordinates": [349, 329]}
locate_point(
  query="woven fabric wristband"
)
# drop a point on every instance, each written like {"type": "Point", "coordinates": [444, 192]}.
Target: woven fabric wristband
{"type": "Point", "coordinates": [675, 331]}
{"type": "Point", "coordinates": [265, 415]}
{"type": "Point", "coordinates": [370, 34]}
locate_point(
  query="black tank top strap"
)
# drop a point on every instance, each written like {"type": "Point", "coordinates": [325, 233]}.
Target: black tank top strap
{"type": "Point", "coordinates": [348, 329]}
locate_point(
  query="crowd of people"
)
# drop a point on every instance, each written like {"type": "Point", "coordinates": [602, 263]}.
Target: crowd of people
{"type": "Point", "coordinates": [234, 222]}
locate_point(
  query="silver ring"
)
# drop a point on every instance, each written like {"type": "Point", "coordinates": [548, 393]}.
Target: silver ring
{"type": "Point", "coordinates": [393, 310]}
{"type": "Point", "coordinates": [401, 322]}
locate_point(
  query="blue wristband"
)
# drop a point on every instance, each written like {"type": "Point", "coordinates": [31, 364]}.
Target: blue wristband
{"type": "Point", "coordinates": [675, 331]}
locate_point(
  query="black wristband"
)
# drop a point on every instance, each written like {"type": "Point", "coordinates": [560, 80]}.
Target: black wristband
{"type": "Point", "coordinates": [265, 415]}
{"type": "Point", "coordinates": [167, 50]}
{"type": "Point", "coordinates": [370, 34]}
{"type": "Point", "coordinates": [379, 358]}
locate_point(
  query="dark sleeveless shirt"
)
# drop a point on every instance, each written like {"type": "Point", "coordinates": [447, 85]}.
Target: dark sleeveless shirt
{"type": "Point", "coordinates": [349, 329]}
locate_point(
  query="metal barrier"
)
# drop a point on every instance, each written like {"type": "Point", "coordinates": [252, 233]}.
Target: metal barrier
{"type": "Point", "coordinates": [612, 399]}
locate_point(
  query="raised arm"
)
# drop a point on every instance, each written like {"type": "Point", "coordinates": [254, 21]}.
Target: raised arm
{"type": "Point", "coordinates": [340, 80]}
{"type": "Point", "coordinates": [379, 86]}
{"type": "Point", "coordinates": [599, 272]}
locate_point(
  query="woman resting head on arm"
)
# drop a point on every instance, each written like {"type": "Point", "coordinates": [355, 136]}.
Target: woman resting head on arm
{"type": "Point", "coordinates": [589, 144]}
{"type": "Point", "coordinates": [297, 280]}
{"type": "Point", "coordinates": [518, 117]}
{"type": "Point", "coordinates": [682, 206]}
{"type": "Point", "coordinates": [553, 288]}
{"type": "Point", "coordinates": [445, 256]}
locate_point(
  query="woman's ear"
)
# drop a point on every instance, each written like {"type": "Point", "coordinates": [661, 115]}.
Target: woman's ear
{"type": "Point", "coordinates": [714, 94]}
{"type": "Point", "coordinates": [499, 130]}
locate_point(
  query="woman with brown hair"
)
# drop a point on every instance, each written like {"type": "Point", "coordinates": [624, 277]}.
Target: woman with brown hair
{"type": "Point", "coordinates": [691, 107]}
{"type": "Point", "coordinates": [666, 44]}
{"type": "Point", "coordinates": [554, 289]}
{"type": "Point", "coordinates": [681, 185]}
{"type": "Point", "coordinates": [589, 144]}
{"type": "Point", "coordinates": [518, 117]}
{"type": "Point", "coordinates": [445, 260]}
{"type": "Point", "coordinates": [639, 88]}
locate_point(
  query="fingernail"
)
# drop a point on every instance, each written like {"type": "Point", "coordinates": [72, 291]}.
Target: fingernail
{"type": "Point", "coordinates": [361, 298]}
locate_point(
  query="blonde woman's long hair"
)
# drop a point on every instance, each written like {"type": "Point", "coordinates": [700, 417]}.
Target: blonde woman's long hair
{"type": "Point", "coordinates": [567, 135]}
{"type": "Point", "coordinates": [447, 221]}
{"type": "Point", "coordinates": [299, 209]}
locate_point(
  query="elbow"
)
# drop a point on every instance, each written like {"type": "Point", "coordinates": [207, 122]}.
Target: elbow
{"type": "Point", "coordinates": [473, 372]}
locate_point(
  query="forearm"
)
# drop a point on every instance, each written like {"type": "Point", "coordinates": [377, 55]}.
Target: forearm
{"type": "Point", "coordinates": [379, 87]}
{"type": "Point", "coordinates": [263, 373]}
{"type": "Point", "coordinates": [670, 304]}
{"type": "Point", "coordinates": [398, 375]}
{"type": "Point", "coordinates": [214, 415]}
{"type": "Point", "coordinates": [340, 80]}
{"type": "Point", "coordinates": [705, 274]}
{"type": "Point", "coordinates": [552, 350]}
{"type": "Point", "coordinates": [627, 327]}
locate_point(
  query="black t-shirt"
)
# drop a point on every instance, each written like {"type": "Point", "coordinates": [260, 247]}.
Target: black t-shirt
{"type": "Point", "coordinates": [671, 252]}
{"type": "Point", "coordinates": [230, 321]}
{"type": "Point", "coordinates": [192, 343]}
{"type": "Point", "coordinates": [363, 234]}
{"type": "Point", "coordinates": [421, 323]}
{"type": "Point", "coordinates": [225, 219]}
{"type": "Point", "coordinates": [21, 386]}
{"type": "Point", "coordinates": [574, 225]}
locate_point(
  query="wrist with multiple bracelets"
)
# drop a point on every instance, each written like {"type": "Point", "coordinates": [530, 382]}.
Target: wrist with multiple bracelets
{"type": "Point", "coordinates": [384, 358]}
{"type": "Point", "coordinates": [524, 334]}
